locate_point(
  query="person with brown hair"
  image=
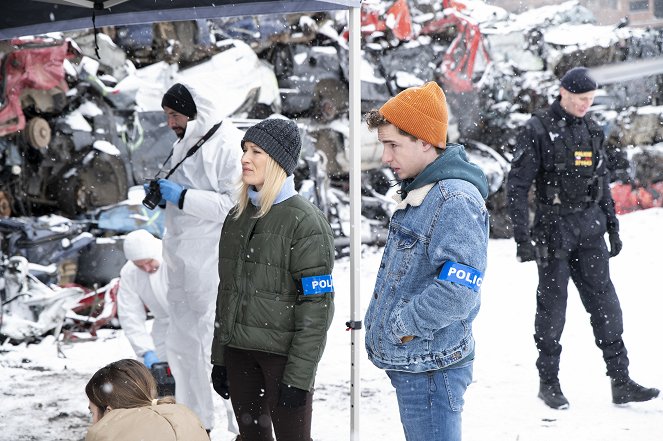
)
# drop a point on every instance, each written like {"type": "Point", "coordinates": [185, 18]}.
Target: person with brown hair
{"type": "Point", "coordinates": [428, 287]}
{"type": "Point", "coordinates": [124, 406]}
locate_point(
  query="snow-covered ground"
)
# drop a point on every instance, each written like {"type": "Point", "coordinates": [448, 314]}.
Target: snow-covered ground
{"type": "Point", "coordinates": [42, 396]}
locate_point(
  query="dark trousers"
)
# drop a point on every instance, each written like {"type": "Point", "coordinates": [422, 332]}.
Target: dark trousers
{"type": "Point", "coordinates": [586, 263]}
{"type": "Point", "coordinates": [254, 378]}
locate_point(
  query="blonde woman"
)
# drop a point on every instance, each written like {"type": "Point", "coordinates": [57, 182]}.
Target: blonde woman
{"type": "Point", "coordinates": [124, 406]}
{"type": "Point", "coordinates": [275, 300]}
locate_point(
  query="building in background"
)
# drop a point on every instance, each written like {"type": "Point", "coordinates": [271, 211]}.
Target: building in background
{"type": "Point", "coordinates": [641, 13]}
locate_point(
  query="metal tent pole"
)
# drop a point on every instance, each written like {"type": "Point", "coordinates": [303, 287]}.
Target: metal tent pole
{"type": "Point", "coordinates": [355, 216]}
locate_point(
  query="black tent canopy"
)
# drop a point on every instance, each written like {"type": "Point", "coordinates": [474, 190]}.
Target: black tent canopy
{"type": "Point", "coordinates": [29, 17]}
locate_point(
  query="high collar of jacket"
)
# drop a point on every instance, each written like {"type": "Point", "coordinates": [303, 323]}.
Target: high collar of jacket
{"type": "Point", "coordinates": [287, 191]}
{"type": "Point", "coordinates": [413, 198]}
{"type": "Point", "coordinates": [451, 164]}
{"type": "Point", "coordinates": [206, 116]}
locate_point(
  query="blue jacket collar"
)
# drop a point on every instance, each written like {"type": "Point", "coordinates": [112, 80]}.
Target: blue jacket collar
{"type": "Point", "coordinates": [287, 191]}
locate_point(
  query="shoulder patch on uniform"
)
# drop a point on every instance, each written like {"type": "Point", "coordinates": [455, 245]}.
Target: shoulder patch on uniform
{"type": "Point", "coordinates": [461, 274]}
{"type": "Point", "coordinates": [317, 284]}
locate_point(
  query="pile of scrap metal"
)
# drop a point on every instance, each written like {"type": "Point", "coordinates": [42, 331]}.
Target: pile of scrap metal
{"type": "Point", "coordinates": [642, 186]}
{"type": "Point", "coordinates": [495, 67]}
{"type": "Point", "coordinates": [47, 285]}
{"type": "Point", "coordinates": [626, 61]}
{"type": "Point", "coordinates": [56, 149]}
{"type": "Point", "coordinates": [402, 47]}
{"type": "Point", "coordinates": [72, 137]}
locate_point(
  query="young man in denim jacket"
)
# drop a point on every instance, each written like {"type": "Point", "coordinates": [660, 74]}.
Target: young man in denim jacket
{"type": "Point", "coordinates": [419, 321]}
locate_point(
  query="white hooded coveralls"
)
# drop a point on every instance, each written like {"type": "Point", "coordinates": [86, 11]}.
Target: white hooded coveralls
{"type": "Point", "coordinates": [191, 250]}
{"type": "Point", "coordinates": [137, 290]}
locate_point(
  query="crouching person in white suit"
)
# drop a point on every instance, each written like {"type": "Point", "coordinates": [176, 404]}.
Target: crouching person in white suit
{"type": "Point", "coordinates": [143, 283]}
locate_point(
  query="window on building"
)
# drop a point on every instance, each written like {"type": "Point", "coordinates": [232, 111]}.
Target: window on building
{"type": "Point", "coordinates": [658, 8]}
{"type": "Point", "coordinates": [639, 5]}
{"type": "Point", "coordinates": [608, 4]}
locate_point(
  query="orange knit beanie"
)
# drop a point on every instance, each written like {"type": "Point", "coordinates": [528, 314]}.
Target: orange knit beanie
{"type": "Point", "coordinates": [420, 111]}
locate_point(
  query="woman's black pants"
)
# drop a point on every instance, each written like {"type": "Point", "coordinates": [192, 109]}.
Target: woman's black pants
{"type": "Point", "coordinates": [254, 378]}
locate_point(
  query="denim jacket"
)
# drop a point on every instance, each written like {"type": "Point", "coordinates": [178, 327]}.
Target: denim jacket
{"type": "Point", "coordinates": [436, 223]}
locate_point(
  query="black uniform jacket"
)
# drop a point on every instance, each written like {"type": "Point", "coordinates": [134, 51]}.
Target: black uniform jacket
{"type": "Point", "coordinates": [576, 164]}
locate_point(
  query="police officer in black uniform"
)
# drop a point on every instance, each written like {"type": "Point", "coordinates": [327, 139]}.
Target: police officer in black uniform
{"type": "Point", "coordinates": [561, 150]}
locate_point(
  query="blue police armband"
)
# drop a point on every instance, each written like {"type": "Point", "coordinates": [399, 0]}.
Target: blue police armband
{"type": "Point", "coordinates": [317, 284]}
{"type": "Point", "coordinates": [461, 274]}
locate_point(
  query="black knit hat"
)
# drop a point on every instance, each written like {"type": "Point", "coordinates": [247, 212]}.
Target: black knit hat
{"type": "Point", "coordinates": [578, 80]}
{"type": "Point", "coordinates": [180, 100]}
{"type": "Point", "coordinates": [279, 137]}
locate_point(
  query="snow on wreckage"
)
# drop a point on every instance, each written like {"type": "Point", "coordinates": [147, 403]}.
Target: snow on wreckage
{"type": "Point", "coordinates": [65, 116]}
{"type": "Point", "coordinates": [465, 48]}
{"type": "Point", "coordinates": [278, 6]}
{"type": "Point", "coordinates": [503, 106]}
{"type": "Point", "coordinates": [61, 151]}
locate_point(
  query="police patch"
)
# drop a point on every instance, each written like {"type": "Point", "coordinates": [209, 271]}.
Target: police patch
{"type": "Point", "coordinates": [317, 284]}
{"type": "Point", "coordinates": [461, 274]}
{"type": "Point", "coordinates": [583, 158]}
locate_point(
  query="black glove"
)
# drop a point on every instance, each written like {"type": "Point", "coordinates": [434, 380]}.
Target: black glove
{"type": "Point", "coordinates": [220, 381]}
{"type": "Point", "coordinates": [291, 397]}
{"type": "Point", "coordinates": [526, 251]}
{"type": "Point", "coordinates": [615, 244]}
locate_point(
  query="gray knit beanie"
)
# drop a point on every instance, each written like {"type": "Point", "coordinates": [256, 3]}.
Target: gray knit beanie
{"type": "Point", "coordinates": [279, 137]}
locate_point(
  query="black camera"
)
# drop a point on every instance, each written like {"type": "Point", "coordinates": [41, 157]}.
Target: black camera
{"type": "Point", "coordinates": [153, 196]}
{"type": "Point", "coordinates": [164, 378]}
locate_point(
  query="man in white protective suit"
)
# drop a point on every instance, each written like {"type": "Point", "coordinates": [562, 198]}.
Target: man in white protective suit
{"type": "Point", "coordinates": [199, 192]}
{"type": "Point", "coordinates": [143, 283]}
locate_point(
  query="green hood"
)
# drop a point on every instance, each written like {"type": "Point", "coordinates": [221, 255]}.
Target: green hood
{"type": "Point", "coordinates": [451, 164]}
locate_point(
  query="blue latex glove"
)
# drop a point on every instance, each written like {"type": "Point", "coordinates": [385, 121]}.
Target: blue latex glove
{"type": "Point", "coordinates": [149, 358]}
{"type": "Point", "coordinates": [170, 191]}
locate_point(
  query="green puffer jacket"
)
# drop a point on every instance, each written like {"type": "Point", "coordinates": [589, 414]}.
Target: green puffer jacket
{"type": "Point", "coordinates": [261, 305]}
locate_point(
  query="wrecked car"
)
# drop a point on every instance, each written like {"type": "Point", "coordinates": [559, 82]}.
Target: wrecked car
{"type": "Point", "coordinates": [30, 308]}
{"type": "Point", "coordinates": [69, 132]}
{"type": "Point", "coordinates": [54, 148]}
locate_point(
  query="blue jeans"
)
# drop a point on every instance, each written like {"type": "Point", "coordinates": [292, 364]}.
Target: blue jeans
{"type": "Point", "coordinates": [430, 403]}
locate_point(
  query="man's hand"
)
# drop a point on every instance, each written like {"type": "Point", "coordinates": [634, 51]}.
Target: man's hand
{"type": "Point", "coordinates": [525, 251]}
{"type": "Point", "coordinates": [149, 358]}
{"type": "Point", "coordinates": [291, 397]}
{"type": "Point", "coordinates": [615, 244]}
{"type": "Point", "coordinates": [171, 191]}
{"type": "Point", "coordinates": [220, 381]}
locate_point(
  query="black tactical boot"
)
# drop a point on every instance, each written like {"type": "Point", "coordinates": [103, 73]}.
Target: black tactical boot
{"type": "Point", "coordinates": [628, 391]}
{"type": "Point", "coordinates": [551, 394]}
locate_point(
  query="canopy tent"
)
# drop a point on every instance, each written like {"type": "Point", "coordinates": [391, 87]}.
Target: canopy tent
{"type": "Point", "coordinates": [32, 17]}
{"type": "Point", "coordinates": [28, 17]}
